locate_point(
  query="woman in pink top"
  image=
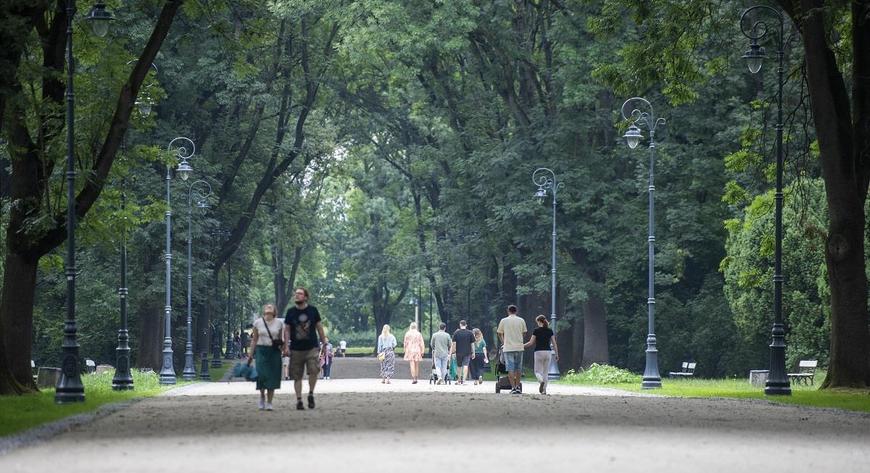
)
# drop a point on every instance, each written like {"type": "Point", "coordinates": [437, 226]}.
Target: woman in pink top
{"type": "Point", "coordinates": [414, 350]}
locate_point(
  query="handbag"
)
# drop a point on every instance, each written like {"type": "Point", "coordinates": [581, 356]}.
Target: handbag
{"type": "Point", "coordinates": [382, 356]}
{"type": "Point", "coordinates": [276, 344]}
{"type": "Point", "coordinates": [252, 374]}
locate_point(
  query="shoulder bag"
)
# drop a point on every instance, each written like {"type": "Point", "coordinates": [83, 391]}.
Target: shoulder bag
{"type": "Point", "coordinates": [276, 344]}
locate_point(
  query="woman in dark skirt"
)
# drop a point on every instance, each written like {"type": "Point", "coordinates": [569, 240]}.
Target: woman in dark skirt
{"type": "Point", "coordinates": [266, 342]}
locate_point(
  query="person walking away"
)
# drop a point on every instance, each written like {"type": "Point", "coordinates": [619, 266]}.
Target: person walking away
{"type": "Point", "coordinates": [302, 331]}
{"type": "Point", "coordinates": [540, 340]}
{"type": "Point", "coordinates": [342, 348]}
{"type": "Point", "coordinates": [326, 359]}
{"type": "Point", "coordinates": [414, 349]}
{"type": "Point", "coordinates": [266, 346]}
{"type": "Point", "coordinates": [511, 331]}
{"type": "Point", "coordinates": [237, 344]}
{"type": "Point", "coordinates": [463, 348]}
{"type": "Point", "coordinates": [440, 346]}
{"type": "Point", "coordinates": [480, 356]}
{"type": "Point", "coordinates": [245, 341]}
{"type": "Point", "coordinates": [387, 354]}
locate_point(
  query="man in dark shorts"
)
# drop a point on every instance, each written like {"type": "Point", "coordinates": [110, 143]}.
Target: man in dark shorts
{"type": "Point", "coordinates": [463, 348]}
{"type": "Point", "coordinates": [303, 331]}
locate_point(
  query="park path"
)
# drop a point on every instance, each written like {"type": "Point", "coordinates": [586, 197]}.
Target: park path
{"type": "Point", "coordinates": [361, 425]}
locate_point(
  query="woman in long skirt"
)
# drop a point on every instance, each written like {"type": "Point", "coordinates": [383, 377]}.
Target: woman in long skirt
{"type": "Point", "coordinates": [387, 354]}
{"type": "Point", "coordinates": [414, 350]}
{"type": "Point", "coordinates": [267, 331]}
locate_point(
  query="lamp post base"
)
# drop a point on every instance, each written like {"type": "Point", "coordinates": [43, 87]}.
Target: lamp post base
{"type": "Point", "coordinates": [203, 368]}
{"type": "Point", "coordinates": [651, 377]}
{"type": "Point", "coordinates": [189, 372]}
{"type": "Point", "coordinates": [123, 380]}
{"type": "Point", "coordinates": [167, 371]}
{"type": "Point", "coordinates": [777, 382]}
{"type": "Point", "coordinates": [553, 370]}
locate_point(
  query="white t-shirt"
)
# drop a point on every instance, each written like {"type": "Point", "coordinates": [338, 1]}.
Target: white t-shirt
{"type": "Point", "coordinates": [342, 344]}
{"type": "Point", "coordinates": [512, 328]}
{"type": "Point", "coordinates": [275, 326]}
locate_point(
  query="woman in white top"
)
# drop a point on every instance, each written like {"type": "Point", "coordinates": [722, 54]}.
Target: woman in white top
{"type": "Point", "coordinates": [266, 343]}
{"type": "Point", "coordinates": [387, 354]}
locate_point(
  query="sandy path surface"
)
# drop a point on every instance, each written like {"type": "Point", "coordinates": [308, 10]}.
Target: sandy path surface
{"type": "Point", "coordinates": [363, 426]}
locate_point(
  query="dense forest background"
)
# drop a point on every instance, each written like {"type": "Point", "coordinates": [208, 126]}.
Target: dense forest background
{"type": "Point", "coordinates": [381, 151]}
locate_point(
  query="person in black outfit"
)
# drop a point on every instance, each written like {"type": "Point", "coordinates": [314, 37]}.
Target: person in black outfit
{"type": "Point", "coordinates": [541, 339]}
{"type": "Point", "coordinates": [463, 348]}
{"type": "Point", "coordinates": [303, 331]}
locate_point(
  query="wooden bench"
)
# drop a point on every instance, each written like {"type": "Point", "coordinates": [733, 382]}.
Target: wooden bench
{"type": "Point", "coordinates": [688, 370]}
{"type": "Point", "coordinates": [806, 372]}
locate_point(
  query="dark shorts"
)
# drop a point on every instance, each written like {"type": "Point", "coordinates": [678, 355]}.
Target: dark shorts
{"type": "Point", "coordinates": [463, 360]}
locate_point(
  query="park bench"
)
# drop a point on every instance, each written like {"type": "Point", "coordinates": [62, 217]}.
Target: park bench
{"type": "Point", "coordinates": [806, 372]}
{"type": "Point", "coordinates": [688, 370]}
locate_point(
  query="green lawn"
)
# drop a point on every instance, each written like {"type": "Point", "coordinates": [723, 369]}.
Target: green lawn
{"type": "Point", "coordinates": [19, 413]}
{"type": "Point", "coordinates": [851, 399]}
{"type": "Point", "coordinates": [218, 373]}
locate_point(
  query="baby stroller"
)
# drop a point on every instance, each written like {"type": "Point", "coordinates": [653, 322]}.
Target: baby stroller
{"type": "Point", "coordinates": [433, 378]}
{"type": "Point", "coordinates": [503, 382]}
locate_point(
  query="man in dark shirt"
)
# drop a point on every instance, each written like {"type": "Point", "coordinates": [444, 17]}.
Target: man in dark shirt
{"type": "Point", "coordinates": [463, 348]}
{"type": "Point", "coordinates": [303, 332]}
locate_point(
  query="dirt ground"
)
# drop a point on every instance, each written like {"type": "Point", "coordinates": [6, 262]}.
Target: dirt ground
{"type": "Point", "coordinates": [362, 426]}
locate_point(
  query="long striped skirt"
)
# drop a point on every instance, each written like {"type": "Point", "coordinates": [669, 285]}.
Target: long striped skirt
{"type": "Point", "coordinates": [388, 366]}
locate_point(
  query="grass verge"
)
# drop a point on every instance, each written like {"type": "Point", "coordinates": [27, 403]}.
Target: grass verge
{"type": "Point", "coordinates": [849, 399]}
{"type": "Point", "coordinates": [18, 413]}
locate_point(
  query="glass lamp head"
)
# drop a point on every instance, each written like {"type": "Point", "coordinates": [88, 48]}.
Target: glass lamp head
{"type": "Point", "coordinates": [541, 194]}
{"type": "Point", "coordinates": [99, 19]}
{"type": "Point", "coordinates": [633, 136]}
{"type": "Point", "coordinates": [184, 170]}
{"type": "Point", "coordinates": [754, 57]}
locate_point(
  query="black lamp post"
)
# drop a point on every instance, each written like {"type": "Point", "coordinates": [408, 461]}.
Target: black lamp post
{"type": "Point", "coordinates": [189, 372]}
{"type": "Point", "coordinates": [640, 112]}
{"type": "Point", "coordinates": [69, 386]}
{"type": "Point", "coordinates": [123, 379]}
{"type": "Point", "coordinates": [545, 179]}
{"type": "Point", "coordinates": [777, 381]}
{"type": "Point", "coordinates": [182, 153]}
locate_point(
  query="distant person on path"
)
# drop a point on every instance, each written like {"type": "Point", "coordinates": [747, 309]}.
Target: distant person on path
{"type": "Point", "coordinates": [326, 358]}
{"type": "Point", "coordinates": [302, 332]}
{"type": "Point", "coordinates": [414, 349]}
{"type": "Point", "coordinates": [342, 348]}
{"type": "Point", "coordinates": [440, 346]}
{"type": "Point", "coordinates": [244, 342]}
{"type": "Point", "coordinates": [541, 338]}
{"type": "Point", "coordinates": [237, 344]}
{"type": "Point", "coordinates": [511, 331]}
{"type": "Point", "coordinates": [387, 354]}
{"type": "Point", "coordinates": [266, 347]}
{"type": "Point", "coordinates": [480, 356]}
{"type": "Point", "coordinates": [463, 348]}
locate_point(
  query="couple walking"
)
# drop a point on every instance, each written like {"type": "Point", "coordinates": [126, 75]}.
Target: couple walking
{"type": "Point", "coordinates": [414, 349]}
{"type": "Point", "coordinates": [512, 331]}
{"type": "Point", "coordinates": [299, 338]}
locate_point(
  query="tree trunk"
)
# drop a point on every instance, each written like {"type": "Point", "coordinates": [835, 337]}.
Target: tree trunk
{"type": "Point", "coordinates": [595, 347]}
{"type": "Point", "coordinates": [150, 315]}
{"type": "Point", "coordinates": [845, 163]}
{"type": "Point", "coordinates": [16, 310]}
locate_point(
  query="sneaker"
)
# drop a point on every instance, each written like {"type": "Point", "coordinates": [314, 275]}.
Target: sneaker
{"type": "Point", "coordinates": [541, 388]}
{"type": "Point", "coordinates": [268, 406]}
{"type": "Point", "coordinates": [515, 391]}
{"type": "Point", "coordinates": [310, 401]}
{"type": "Point", "coordinates": [299, 405]}
{"type": "Point", "coordinates": [262, 404]}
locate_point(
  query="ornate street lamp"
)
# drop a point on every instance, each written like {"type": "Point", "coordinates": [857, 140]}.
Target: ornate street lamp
{"type": "Point", "coordinates": [189, 372]}
{"type": "Point", "coordinates": [123, 379]}
{"type": "Point", "coordinates": [545, 179]}
{"type": "Point", "coordinates": [69, 386]}
{"type": "Point", "coordinates": [640, 112]}
{"type": "Point", "coordinates": [777, 381]}
{"type": "Point", "coordinates": [179, 146]}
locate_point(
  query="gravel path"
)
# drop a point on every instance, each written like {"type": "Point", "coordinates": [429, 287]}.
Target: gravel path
{"type": "Point", "coordinates": [362, 426]}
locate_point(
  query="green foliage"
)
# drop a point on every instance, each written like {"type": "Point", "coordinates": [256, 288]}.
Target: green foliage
{"type": "Point", "coordinates": [601, 374]}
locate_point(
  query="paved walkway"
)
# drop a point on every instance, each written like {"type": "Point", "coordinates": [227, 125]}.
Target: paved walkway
{"type": "Point", "coordinates": [361, 425]}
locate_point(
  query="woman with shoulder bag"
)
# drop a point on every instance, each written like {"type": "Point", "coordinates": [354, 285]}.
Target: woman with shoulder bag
{"type": "Point", "coordinates": [387, 354]}
{"type": "Point", "coordinates": [266, 345]}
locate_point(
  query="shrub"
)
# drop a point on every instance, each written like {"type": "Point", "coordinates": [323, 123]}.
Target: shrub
{"type": "Point", "coordinates": [601, 374]}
